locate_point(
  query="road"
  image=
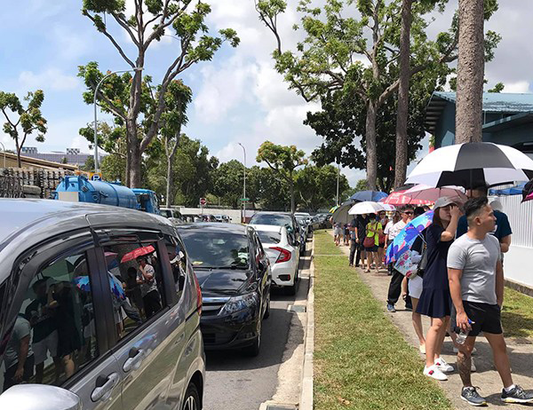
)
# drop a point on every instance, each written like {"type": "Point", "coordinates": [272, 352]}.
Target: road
{"type": "Point", "coordinates": [237, 382]}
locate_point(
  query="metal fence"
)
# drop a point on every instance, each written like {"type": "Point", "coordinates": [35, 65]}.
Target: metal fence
{"type": "Point", "coordinates": [13, 180]}
{"type": "Point", "coordinates": [520, 217]}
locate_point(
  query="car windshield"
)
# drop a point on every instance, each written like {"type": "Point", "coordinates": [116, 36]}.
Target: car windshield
{"type": "Point", "coordinates": [270, 219]}
{"type": "Point", "coordinates": [269, 237]}
{"type": "Point", "coordinates": [301, 219]}
{"type": "Point", "coordinates": [167, 213]}
{"type": "Point", "coordinates": [216, 249]}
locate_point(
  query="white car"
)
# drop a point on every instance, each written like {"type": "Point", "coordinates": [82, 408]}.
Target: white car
{"type": "Point", "coordinates": [283, 255]}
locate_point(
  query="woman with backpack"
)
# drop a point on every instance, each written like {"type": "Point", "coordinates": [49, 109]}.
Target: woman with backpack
{"type": "Point", "coordinates": [371, 241]}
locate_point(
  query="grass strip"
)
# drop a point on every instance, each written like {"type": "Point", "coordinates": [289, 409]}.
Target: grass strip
{"type": "Point", "coordinates": [517, 314]}
{"type": "Point", "coordinates": [361, 359]}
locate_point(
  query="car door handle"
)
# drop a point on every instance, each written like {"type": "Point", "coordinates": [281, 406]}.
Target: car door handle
{"type": "Point", "coordinates": [104, 385]}
{"type": "Point", "coordinates": [136, 356]}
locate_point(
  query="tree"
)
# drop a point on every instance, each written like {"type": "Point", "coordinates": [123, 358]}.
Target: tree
{"type": "Point", "coordinates": [283, 160]}
{"type": "Point", "coordinates": [316, 187]}
{"type": "Point", "coordinates": [150, 21]}
{"type": "Point", "coordinates": [498, 88]}
{"type": "Point", "coordinates": [266, 189]}
{"type": "Point", "coordinates": [30, 119]}
{"type": "Point", "coordinates": [89, 165]}
{"type": "Point", "coordinates": [228, 183]}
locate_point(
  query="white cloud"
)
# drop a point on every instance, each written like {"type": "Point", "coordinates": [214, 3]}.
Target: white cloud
{"type": "Point", "coordinates": [518, 87]}
{"type": "Point", "coordinates": [51, 79]}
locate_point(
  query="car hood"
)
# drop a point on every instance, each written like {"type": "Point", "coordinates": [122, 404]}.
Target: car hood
{"type": "Point", "coordinates": [223, 281]}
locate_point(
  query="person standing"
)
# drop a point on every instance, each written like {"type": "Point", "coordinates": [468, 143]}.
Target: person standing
{"type": "Point", "coordinates": [395, 219]}
{"type": "Point", "coordinates": [150, 294]}
{"type": "Point", "coordinates": [337, 232]}
{"type": "Point", "coordinates": [18, 357]}
{"type": "Point", "coordinates": [476, 284]}
{"type": "Point", "coordinates": [360, 225]}
{"type": "Point", "coordinates": [383, 220]}
{"type": "Point", "coordinates": [395, 286]}
{"type": "Point", "coordinates": [435, 298]}
{"type": "Point", "coordinates": [373, 230]}
{"type": "Point", "coordinates": [353, 240]}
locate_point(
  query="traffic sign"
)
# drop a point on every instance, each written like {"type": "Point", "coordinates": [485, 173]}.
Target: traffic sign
{"type": "Point", "coordinates": [245, 199]}
{"type": "Point", "coordinates": [203, 201]}
{"type": "Point", "coordinates": [95, 176]}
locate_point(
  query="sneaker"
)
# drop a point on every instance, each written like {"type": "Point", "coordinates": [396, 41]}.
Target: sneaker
{"type": "Point", "coordinates": [422, 349]}
{"type": "Point", "coordinates": [516, 395]}
{"type": "Point", "coordinates": [391, 308]}
{"type": "Point", "coordinates": [434, 373]}
{"type": "Point", "coordinates": [443, 366]}
{"type": "Point", "coordinates": [456, 350]}
{"type": "Point", "coordinates": [470, 395]}
{"type": "Point", "coordinates": [473, 367]}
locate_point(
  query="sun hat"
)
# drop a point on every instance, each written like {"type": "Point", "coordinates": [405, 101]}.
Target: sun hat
{"type": "Point", "coordinates": [443, 201]}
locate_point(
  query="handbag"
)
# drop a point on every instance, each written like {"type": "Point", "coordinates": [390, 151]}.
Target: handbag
{"type": "Point", "coordinates": [369, 242]}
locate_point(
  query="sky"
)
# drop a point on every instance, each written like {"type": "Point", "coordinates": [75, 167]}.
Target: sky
{"type": "Point", "coordinates": [238, 97]}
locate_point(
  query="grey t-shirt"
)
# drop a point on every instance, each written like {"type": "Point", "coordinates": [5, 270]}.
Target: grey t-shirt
{"type": "Point", "coordinates": [477, 259]}
{"type": "Point", "coordinates": [21, 329]}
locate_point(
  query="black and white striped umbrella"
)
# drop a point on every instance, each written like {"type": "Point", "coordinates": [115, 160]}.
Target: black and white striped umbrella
{"type": "Point", "coordinates": [472, 165]}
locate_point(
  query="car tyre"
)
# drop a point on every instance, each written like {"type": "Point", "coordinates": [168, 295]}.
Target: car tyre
{"type": "Point", "coordinates": [254, 349]}
{"type": "Point", "coordinates": [192, 398]}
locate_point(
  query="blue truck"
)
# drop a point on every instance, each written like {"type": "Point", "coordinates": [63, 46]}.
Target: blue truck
{"type": "Point", "coordinates": [106, 193]}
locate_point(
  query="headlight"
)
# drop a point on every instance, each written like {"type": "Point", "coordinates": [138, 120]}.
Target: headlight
{"type": "Point", "coordinates": [238, 303]}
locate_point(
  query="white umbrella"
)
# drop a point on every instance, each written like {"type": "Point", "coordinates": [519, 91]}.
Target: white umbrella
{"type": "Point", "coordinates": [367, 207]}
{"type": "Point", "coordinates": [388, 207]}
{"type": "Point", "coordinates": [472, 165]}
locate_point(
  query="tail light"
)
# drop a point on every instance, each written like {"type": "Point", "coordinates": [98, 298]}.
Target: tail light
{"type": "Point", "coordinates": [284, 254]}
{"type": "Point", "coordinates": [198, 295]}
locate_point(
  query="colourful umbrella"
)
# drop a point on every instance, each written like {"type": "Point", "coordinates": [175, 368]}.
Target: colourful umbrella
{"type": "Point", "coordinates": [401, 198]}
{"type": "Point", "coordinates": [134, 254]}
{"type": "Point", "coordinates": [407, 236]}
{"type": "Point", "coordinates": [333, 209]}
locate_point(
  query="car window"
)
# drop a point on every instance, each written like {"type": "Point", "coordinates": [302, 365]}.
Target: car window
{"type": "Point", "coordinates": [269, 237]}
{"type": "Point", "coordinates": [178, 262]}
{"type": "Point", "coordinates": [216, 249]}
{"type": "Point", "coordinates": [269, 219]}
{"type": "Point", "coordinates": [135, 283]}
{"type": "Point", "coordinates": [54, 335]}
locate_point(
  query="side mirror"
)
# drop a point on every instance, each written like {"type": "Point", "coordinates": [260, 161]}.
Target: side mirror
{"type": "Point", "coordinates": [39, 397]}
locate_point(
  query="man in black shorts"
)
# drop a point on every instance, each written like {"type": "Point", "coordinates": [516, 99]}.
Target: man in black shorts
{"type": "Point", "coordinates": [476, 286]}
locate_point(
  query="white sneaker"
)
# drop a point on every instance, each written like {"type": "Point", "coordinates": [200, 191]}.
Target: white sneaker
{"type": "Point", "coordinates": [456, 350]}
{"type": "Point", "coordinates": [443, 366]}
{"type": "Point", "coordinates": [435, 373]}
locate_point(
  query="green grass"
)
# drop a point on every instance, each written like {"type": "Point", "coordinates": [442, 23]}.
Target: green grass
{"type": "Point", "coordinates": [361, 359]}
{"type": "Point", "coordinates": [517, 314]}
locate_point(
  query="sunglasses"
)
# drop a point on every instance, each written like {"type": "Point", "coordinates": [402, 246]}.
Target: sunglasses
{"type": "Point", "coordinates": [408, 213]}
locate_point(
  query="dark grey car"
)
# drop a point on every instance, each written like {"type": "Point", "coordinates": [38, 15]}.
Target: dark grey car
{"type": "Point", "coordinates": [99, 309]}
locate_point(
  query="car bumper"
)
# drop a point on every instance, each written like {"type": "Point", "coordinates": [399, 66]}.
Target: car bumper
{"type": "Point", "coordinates": [231, 331]}
{"type": "Point", "coordinates": [280, 272]}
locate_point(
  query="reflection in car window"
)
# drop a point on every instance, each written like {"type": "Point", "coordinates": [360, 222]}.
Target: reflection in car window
{"type": "Point", "coordinates": [268, 219]}
{"type": "Point", "coordinates": [178, 262]}
{"type": "Point", "coordinates": [134, 275]}
{"type": "Point", "coordinates": [269, 237]}
{"type": "Point", "coordinates": [216, 249]}
{"type": "Point", "coordinates": [54, 335]}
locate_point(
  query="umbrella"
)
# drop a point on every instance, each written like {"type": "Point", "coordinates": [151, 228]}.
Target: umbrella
{"type": "Point", "coordinates": [134, 254]}
{"type": "Point", "coordinates": [368, 196]}
{"type": "Point", "coordinates": [341, 213]}
{"type": "Point", "coordinates": [472, 165]}
{"type": "Point", "coordinates": [427, 193]}
{"type": "Point", "coordinates": [527, 192]}
{"type": "Point", "coordinates": [388, 207]}
{"type": "Point", "coordinates": [333, 209]}
{"type": "Point", "coordinates": [404, 240]}
{"type": "Point", "coordinates": [366, 207]}
{"type": "Point", "coordinates": [399, 198]}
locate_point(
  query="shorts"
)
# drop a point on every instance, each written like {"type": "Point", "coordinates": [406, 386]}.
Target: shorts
{"type": "Point", "coordinates": [48, 344]}
{"type": "Point", "coordinates": [372, 249]}
{"type": "Point", "coordinates": [382, 245]}
{"type": "Point", "coordinates": [486, 318]}
{"type": "Point", "coordinates": [415, 286]}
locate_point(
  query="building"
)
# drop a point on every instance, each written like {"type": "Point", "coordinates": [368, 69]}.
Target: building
{"type": "Point", "coordinates": [9, 160]}
{"type": "Point", "coordinates": [507, 119]}
{"type": "Point", "coordinates": [71, 156]}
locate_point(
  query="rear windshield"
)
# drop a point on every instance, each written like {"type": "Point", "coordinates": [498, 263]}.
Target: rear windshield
{"type": "Point", "coordinates": [216, 249]}
{"type": "Point", "coordinates": [269, 237]}
{"type": "Point", "coordinates": [167, 213]}
{"type": "Point", "coordinates": [265, 219]}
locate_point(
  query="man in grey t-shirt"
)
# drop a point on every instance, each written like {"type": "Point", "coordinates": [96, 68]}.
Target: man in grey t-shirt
{"type": "Point", "coordinates": [476, 286]}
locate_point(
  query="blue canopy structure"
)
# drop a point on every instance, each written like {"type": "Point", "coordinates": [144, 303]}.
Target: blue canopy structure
{"type": "Point", "coordinates": [515, 190]}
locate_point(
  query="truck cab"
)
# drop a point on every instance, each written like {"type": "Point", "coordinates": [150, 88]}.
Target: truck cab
{"type": "Point", "coordinates": [147, 200]}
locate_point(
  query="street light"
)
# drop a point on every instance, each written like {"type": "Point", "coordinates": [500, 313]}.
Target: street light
{"type": "Point", "coordinates": [244, 186]}
{"type": "Point", "coordinates": [96, 113]}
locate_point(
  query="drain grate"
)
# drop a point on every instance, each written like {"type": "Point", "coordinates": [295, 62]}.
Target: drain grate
{"type": "Point", "coordinates": [280, 407]}
{"type": "Point", "coordinates": [297, 308]}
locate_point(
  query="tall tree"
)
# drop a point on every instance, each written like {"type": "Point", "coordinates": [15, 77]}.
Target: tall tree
{"type": "Point", "coordinates": [316, 186]}
{"type": "Point", "coordinates": [150, 20]}
{"type": "Point", "coordinates": [283, 160]}
{"type": "Point", "coordinates": [471, 69]}
{"type": "Point", "coordinates": [22, 122]}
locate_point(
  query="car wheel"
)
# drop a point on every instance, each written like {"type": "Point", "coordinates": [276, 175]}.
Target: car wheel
{"type": "Point", "coordinates": [192, 398]}
{"type": "Point", "coordinates": [267, 310]}
{"type": "Point", "coordinates": [255, 347]}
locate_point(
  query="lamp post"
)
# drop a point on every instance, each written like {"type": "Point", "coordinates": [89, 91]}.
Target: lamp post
{"type": "Point", "coordinates": [96, 111]}
{"type": "Point", "coordinates": [244, 186]}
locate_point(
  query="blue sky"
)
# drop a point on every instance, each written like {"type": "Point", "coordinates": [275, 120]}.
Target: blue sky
{"type": "Point", "coordinates": [238, 97]}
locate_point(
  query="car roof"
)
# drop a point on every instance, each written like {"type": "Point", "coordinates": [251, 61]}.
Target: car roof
{"type": "Point", "coordinates": [213, 227]}
{"type": "Point", "coordinates": [267, 228]}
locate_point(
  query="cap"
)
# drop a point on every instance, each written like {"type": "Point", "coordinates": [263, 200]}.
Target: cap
{"type": "Point", "coordinates": [443, 201]}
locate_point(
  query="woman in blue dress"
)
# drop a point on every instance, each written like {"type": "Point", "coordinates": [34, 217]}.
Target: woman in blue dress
{"type": "Point", "coordinates": [435, 300]}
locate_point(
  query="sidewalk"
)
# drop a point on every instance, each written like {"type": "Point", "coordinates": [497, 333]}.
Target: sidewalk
{"type": "Point", "coordinates": [486, 377]}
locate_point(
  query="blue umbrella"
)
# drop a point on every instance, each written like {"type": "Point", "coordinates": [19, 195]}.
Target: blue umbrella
{"type": "Point", "coordinates": [405, 239]}
{"type": "Point", "coordinates": [373, 196]}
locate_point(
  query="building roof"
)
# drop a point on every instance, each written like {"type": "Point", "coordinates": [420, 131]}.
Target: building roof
{"type": "Point", "coordinates": [505, 103]}
{"type": "Point", "coordinates": [37, 163]}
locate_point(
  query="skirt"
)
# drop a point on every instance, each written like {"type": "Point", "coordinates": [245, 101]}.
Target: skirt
{"type": "Point", "coordinates": [435, 303]}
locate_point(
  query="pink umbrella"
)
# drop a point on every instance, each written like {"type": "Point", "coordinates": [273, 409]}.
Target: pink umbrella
{"type": "Point", "coordinates": [399, 198]}
{"type": "Point", "coordinates": [134, 254]}
{"type": "Point", "coordinates": [427, 193]}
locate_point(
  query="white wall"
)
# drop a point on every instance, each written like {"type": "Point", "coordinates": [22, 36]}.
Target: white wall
{"type": "Point", "coordinates": [518, 261]}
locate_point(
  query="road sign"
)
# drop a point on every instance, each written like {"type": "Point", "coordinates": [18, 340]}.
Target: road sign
{"type": "Point", "coordinates": [245, 199]}
{"type": "Point", "coordinates": [95, 176]}
{"type": "Point", "coordinates": [203, 201]}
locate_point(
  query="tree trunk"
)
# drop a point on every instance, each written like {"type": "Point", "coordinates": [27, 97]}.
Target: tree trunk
{"type": "Point", "coordinates": [400, 168]}
{"type": "Point", "coordinates": [371, 148]}
{"type": "Point", "coordinates": [470, 72]}
{"type": "Point", "coordinates": [19, 161]}
{"type": "Point", "coordinates": [169, 182]}
{"type": "Point", "coordinates": [133, 156]}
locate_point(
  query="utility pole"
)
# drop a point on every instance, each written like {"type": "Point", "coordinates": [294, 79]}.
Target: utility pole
{"type": "Point", "coordinates": [338, 181]}
{"type": "Point", "coordinates": [244, 186]}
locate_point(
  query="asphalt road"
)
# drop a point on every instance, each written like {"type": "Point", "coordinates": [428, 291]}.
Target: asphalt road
{"type": "Point", "coordinates": [237, 382]}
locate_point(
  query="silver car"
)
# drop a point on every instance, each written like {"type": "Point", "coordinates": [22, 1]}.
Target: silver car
{"type": "Point", "coordinates": [99, 309]}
